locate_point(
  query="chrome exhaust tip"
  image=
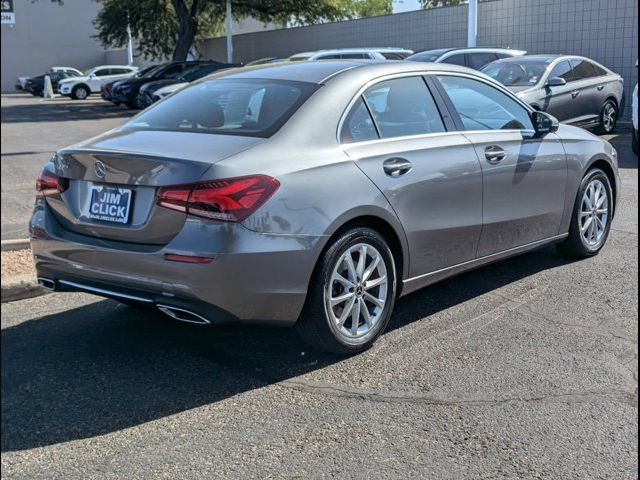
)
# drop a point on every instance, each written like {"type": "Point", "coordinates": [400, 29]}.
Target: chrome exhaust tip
{"type": "Point", "coordinates": [47, 283]}
{"type": "Point", "coordinates": [183, 315]}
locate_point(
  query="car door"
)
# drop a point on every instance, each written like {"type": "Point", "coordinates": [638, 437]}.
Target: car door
{"type": "Point", "coordinates": [586, 89]}
{"type": "Point", "coordinates": [559, 100]}
{"type": "Point", "coordinates": [397, 135]}
{"type": "Point", "coordinates": [98, 77]}
{"type": "Point", "coordinates": [524, 177]}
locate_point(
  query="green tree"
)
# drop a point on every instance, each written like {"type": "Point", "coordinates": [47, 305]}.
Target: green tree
{"type": "Point", "coordinates": [165, 28]}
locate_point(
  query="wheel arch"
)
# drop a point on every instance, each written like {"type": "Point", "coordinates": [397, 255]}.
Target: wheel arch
{"type": "Point", "coordinates": [386, 225]}
{"type": "Point", "coordinates": [609, 171]}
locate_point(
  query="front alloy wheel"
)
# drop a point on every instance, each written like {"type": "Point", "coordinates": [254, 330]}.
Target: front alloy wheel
{"type": "Point", "coordinates": [351, 294]}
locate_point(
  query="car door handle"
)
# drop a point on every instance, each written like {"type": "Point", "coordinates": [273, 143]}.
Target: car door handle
{"type": "Point", "coordinates": [494, 154]}
{"type": "Point", "coordinates": [394, 167]}
{"type": "Point", "coordinates": [600, 87]}
{"type": "Point", "coordinates": [575, 93]}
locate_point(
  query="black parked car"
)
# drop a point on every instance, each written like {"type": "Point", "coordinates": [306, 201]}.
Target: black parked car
{"type": "Point", "coordinates": [146, 97]}
{"type": "Point", "coordinates": [106, 91]}
{"type": "Point", "coordinates": [35, 85]}
{"type": "Point", "coordinates": [127, 92]}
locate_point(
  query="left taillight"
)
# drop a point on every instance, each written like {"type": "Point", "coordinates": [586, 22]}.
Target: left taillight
{"type": "Point", "coordinates": [48, 183]}
{"type": "Point", "coordinates": [229, 199]}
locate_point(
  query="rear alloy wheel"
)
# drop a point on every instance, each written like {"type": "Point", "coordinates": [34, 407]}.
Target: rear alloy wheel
{"type": "Point", "coordinates": [80, 92]}
{"type": "Point", "coordinates": [592, 215]}
{"type": "Point", "coordinates": [351, 295]}
{"type": "Point", "coordinates": [608, 117]}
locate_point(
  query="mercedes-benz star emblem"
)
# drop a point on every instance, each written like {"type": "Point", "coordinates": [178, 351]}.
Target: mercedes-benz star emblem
{"type": "Point", "coordinates": [100, 168]}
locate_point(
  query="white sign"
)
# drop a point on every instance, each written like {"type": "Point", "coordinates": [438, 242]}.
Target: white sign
{"type": "Point", "coordinates": [8, 18]}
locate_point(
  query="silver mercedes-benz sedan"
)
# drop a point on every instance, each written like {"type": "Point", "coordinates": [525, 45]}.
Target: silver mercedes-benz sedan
{"type": "Point", "coordinates": [316, 194]}
{"type": "Point", "coordinates": [575, 90]}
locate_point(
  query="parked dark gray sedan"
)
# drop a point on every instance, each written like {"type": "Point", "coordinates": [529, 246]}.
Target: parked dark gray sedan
{"type": "Point", "coordinates": [576, 90]}
{"type": "Point", "coordinates": [315, 194]}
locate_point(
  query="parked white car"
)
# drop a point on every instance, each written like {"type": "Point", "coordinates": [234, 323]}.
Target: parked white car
{"type": "Point", "coordinates": [384, 53]}
{"type": "Point", "coordinates": [80, 88]}
{"type": "Point", "coordinates": [21, 82]}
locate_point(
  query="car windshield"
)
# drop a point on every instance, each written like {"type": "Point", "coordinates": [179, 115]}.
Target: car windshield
{"type": "Point", "coordinates": [250, 107]}
{"type": "Point", "coordinates": [427, 56]}
{"type": "Point", "coordinates": [149, 71]}
{"type": "Point", "coordinates": [516, 74]}
{"type": "Point", "coordinates": [200, 71]}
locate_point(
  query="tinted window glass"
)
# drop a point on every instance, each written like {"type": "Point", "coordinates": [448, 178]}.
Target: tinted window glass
{"type": "Point", "coordinates": [103, 72]}
{"type": "Point", "coordinates": [355, 55]}
{"type": "Point", "coordinates": [358, 125]}
{"type": "Point", "coordinates": [394, 55]}
{"type": "Point", "coordinates": [427, 56]}
{"type": "Point", "coordinates": [175, 69]}
{"type": "Point", "coordinates": [403, 106]}
{"type": "Point", "coordinates": [482, 107]}
{"type": "Point", "coordinates": [331, 56]}
{"type": "Point", "coordinates": [456, 59]}
{"type": "Point", "coordinates": [480, 59]}
{"type": "Point", "coordinates": [582, 69]}
{"type": "Point", "coordinates": [514, 73]}
{"type": "Point", "coordinates": [562, 70]}
{"type": "Point", "coordinates": [251, 107]}
{"type": "Point", "coordinates": [598, 70]}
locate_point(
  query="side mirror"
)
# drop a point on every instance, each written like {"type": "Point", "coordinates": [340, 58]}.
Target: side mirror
{"type": "Point", "coordinates": [556, 82]}
{"type": "Point", "coordinates": [543, 123]}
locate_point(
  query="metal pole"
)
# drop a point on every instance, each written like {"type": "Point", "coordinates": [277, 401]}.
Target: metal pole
{"type": "Point", "coordinates": [472, 23]}
{"type": "Point", "coordinates": [229, 23]}
{"type": "Point", "coordinates": [129, 46]}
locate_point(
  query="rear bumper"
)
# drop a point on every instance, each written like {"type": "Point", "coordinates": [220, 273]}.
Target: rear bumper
{"type": "Point", "coordinates": [254, 277]}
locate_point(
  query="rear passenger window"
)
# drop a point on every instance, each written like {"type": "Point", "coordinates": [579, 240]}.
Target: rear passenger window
{"type": "Point", "coordinates": [482, 107]}
{"type": "Point", "coordinates": [358, 125]}
{"type": "Point", "coordinates": [598, 70]}
{"type": "Point", "coordinates": [582, 69]}
{"type": "Point", "coordinates": [356, 55]}
{"type": "Point", "coordinates": [480, 59]}
{"type": "Point", "coordinates": [456, 59]}
{"type": "Point", "coordinates": [403, 106]}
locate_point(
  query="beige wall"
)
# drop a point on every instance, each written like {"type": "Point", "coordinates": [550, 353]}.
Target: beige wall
{"type": "Point", "coordinates": [48, 34]}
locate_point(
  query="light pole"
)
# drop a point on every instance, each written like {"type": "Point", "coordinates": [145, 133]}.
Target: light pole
{"type": "Point", "coordinates": [472, 23]}
{"type": "Point", "coordinates": [229, 24]}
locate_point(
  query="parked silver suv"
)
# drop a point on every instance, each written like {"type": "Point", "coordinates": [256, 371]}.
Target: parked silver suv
{"type": "Point", "coordinates": [574, 89]}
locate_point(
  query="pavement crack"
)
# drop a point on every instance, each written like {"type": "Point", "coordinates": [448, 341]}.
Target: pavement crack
{"type": "Point", "coordinates": [625, 396]}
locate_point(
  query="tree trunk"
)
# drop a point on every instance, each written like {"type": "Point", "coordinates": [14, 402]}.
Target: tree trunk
{"type": "Point", "coordinates": [187, 18]}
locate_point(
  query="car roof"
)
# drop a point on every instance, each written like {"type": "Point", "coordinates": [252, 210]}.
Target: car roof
{"type": "Point", "coordinates": [322, 72]}
{"type": "Point", "coordinates": [350, 50]}
{"type": "Point", "coordinates": [442, 51]}
{"type": "Point", "coordinates": [115, 66]}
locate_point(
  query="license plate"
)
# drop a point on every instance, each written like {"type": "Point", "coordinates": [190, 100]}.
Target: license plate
{"type": "Point", "coordinates": [110, 204]}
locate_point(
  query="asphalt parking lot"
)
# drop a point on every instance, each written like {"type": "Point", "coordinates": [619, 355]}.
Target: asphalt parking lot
{"type": "Point", "coordinates": [523, 369]}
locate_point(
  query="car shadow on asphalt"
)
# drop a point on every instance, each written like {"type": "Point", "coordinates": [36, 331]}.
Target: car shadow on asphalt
{"type": "Point", "coordinates": [104, 367]}
{"type": "Point", "coordinates": [62, 111]}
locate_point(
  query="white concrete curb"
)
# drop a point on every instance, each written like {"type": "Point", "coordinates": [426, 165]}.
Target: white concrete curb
{"type": "Point", "coordinates": [19, 244]}
{"type": "Point", "coordinates": [18, 287]}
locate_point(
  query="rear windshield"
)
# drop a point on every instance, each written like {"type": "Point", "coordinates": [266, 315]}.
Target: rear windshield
{"type": "Point", "coordinates": [250, 107]}
{"type": "Point", "coordinates": [516, 74]}
{"type": "Point", "coordinates": [427, 56]}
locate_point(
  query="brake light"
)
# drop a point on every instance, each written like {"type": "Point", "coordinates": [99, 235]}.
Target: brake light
{"type": "Point", "coordinates": [48, 183]}
{"type": "Point", "coordinates": [229, 200]}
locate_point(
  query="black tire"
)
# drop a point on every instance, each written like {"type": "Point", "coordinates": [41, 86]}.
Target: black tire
{"type": "Point", "coordinates": [605, 126]}
{"type": "Point", "coordinates": [80, 92]}
{"type": "Point", "coordinates": [575, 244]}
{"type": "Point", "coordinates": [634, 141]}
{"type": "Point", "coordinates": [315, 326]}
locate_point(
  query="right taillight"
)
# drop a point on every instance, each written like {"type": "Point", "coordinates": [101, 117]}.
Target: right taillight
{"type": "Point", "coordinates": [48, 183]}
{"type": "Point", "coordinates": [229, 199]}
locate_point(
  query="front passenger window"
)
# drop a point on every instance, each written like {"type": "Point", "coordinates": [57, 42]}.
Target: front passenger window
{"type": "Point", "coordinates": [483, 107]}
